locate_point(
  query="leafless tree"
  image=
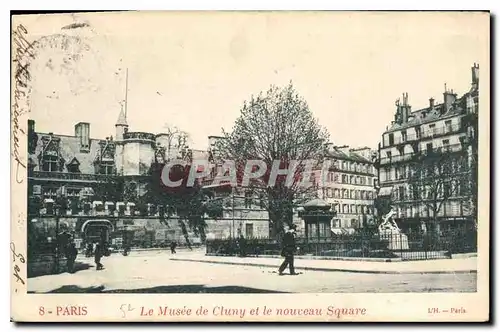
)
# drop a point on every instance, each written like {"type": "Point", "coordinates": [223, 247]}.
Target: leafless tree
{"type": "Point", "coordinates": [277, 126]}
{"type": "Point", "coordinates": [437, 177]}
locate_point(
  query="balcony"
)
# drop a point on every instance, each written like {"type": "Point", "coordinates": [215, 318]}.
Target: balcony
{"type": "Point", "coordinates": [75, 177]}
{"type": "Point", "coordinates": [424, 153]}
{"type": "Point", "coordinates": [435, 132]}
{"type": "Point", "coordinates": [139, 136]}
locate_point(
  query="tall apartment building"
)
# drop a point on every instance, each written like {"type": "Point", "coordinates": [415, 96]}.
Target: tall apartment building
{"type": "Point", "coordinates": [349, 187]}
{"type": "Point", "coordinates": [428, 161]}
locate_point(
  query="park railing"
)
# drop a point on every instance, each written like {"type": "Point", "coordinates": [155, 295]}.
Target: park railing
{"type": "Point", "coordinates": [414, 246]}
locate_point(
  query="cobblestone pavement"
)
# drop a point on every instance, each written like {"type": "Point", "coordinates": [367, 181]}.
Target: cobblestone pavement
{"type": "Point", "coordinates": [154, 272]}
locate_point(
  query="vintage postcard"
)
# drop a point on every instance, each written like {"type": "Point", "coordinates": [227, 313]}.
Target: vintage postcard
{"type": "Point", "coordinates": [250, 167]}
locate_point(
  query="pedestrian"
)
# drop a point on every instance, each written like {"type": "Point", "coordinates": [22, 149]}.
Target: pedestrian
{"type": "Point", "coordinates": [173, 245]}
{"type": "Point", "coordinates": [288, 250]}
{"type": "Point", "coordinates": [98, 255]}
{"type": "Point", "coordinates": [242, 245]}
{"type": "Point", "coordinates": [71, 253]}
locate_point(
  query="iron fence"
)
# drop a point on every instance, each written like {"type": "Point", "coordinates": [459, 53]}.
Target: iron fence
{"type": "Point", "coordinates": [384, 246]}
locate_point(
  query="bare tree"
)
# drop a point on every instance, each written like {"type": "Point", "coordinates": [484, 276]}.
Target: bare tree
{"type": "Point", "coordinates": [277, 126]}
{"type": "Point", "coordinates": [437, 177]}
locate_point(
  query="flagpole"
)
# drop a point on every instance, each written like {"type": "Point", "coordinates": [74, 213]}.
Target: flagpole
{"type": "Point", "coordinates": [126, 93]}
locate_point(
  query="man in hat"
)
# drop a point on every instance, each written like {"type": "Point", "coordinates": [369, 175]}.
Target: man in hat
{"type": "Point", "coordinates": [288, 250]}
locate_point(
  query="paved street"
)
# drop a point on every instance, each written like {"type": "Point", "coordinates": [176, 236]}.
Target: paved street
{"type": "Point", "coordinates": [154, 272]}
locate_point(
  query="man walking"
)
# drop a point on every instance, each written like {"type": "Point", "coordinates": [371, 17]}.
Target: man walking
{"type": "Point", "coordinates": [99, 251]}
{"type": "Point", "coordinates": [173, 245]}
{"type": "Point", "coordinates": [288, 250]}
{"type": "Point", "coordinates": [71, 253]}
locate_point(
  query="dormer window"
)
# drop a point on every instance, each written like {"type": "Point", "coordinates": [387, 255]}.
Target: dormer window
{"type": "Point", "coordinates": [106, 167]}
{"type": "Point", "coordinates": [50, 163]}
{"type": "Point", "coordinates": [73, 166]}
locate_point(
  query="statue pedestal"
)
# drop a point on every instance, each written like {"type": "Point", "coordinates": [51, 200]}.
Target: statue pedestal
{"type": "Point", "coordinates": [396, 240]}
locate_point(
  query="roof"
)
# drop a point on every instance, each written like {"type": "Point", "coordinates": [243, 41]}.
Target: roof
{"type": "Point", "coordinates": [350, 155]}
{"type": "Point", "coordinates": [122, 120]}
{"type": "Point", "coordinates": [426, 115]}
{"type": "Point", "coordinates": [69, 148]}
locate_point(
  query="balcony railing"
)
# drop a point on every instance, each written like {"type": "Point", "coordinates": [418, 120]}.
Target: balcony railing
{"type": "Point", "coordinates": [69, 176]}
{"type": "Point", "coordinates": [426, 134]}
{"type": "Point", "coordinates": [139, 135]}
{"type": "Point", "coordinates": [427, 152]}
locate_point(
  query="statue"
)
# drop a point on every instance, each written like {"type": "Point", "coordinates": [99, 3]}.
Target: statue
{"type": "Point", "coordinates": [389, 230]}
{"type": "Point", "coordinates": [388, 223]}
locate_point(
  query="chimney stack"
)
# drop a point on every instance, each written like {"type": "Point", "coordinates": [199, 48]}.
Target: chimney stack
{"type": "Point", "coordinates": [431, 103]}
{"type": "Point", "coordinates": [475, 76]}
{"type": "Point", "coordinates": [405, 109]}
{"type": "Point", "coordinates": [449, 99]}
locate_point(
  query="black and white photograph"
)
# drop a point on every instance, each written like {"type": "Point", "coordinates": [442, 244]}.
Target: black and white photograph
{"type": "Point", "coordinates": [251, 153]}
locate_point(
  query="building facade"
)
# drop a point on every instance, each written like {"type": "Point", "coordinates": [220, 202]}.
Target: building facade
{"type": "Point", "coordinates": [428, 162]}
{"type": "Point", "coordinates": [349, 187]}
{"type": "Point", "coordinates": [75, 182]}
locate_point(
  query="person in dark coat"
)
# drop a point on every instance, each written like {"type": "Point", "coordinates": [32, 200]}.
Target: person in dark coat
{"type": "Point", "coordinates": [288, 250]}
{"type": "Point", "coordinates": [99, 251]}
{"type": "Point", "coordinates": [173, 245]}
{"type": "Point", "coordinates": [242, 245]}
{"type": "Point", "coordinates": [71, 253]}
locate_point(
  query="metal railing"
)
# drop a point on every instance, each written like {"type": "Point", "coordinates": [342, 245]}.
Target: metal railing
{"type": "Point", "coordinates": [70, 176]}
{"type": "Point", "coordinates": [444, 130]}
{"type": "Point", "coordinates": [415, 246]}
{"type": "Point", "coordinates": [426, 152]}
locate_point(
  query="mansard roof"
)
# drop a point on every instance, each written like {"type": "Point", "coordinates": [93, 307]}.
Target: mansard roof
{"type": "Point", "coordinates": [69, 149]}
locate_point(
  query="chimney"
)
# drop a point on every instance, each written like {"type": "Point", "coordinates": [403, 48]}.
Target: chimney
{"type": "Point", "coordinates": [475, 76]}
{"type": "Point", "coordinates": [31, 126]}
{"type": "Point", "coordinates": [449, 99]}
{"type": "Point", "coordinates": [431, 103]}
{"type": "Point", "coordinates": [82, 132]}
{"type": "Point", "coordinates": [405, 109]}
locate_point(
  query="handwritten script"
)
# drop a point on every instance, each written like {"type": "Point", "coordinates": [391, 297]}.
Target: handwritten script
{"type": "Point", "coordinates": [23, 54]}
{"type": "Point", "coordinates": [126, 308]}
{"type": "Point", "coordinates": [16, 259]}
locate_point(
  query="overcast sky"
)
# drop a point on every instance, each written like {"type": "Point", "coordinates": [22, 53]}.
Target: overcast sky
{"type": "Point", "coordinates": [194, 70]}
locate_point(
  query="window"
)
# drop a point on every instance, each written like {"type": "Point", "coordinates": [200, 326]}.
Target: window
{"type": "Point", "coordinates": [344, 178]}
{"type": "Point", "coordinates": [358, 179]}
{"type": "Point", "coordinates": [353, 208]}
{"type": "Point", "coordinates": [370, 195]}
{"type": "Point", "coordinates": [106, 167]}
{"type": "Point", "coordinates": [345, 208]}
{"type": "Point", "coordinates": [344, 165]}
{"type": "Point", "coordinates": [353, 195]}
{"type": "Point", "coordinates": [388, 173]}
{"type": "Point", "coordinates": [432, 128]}
{"type": "Point", "coordinates": [403, 136]}
{"type": "Point", "coordinates": [249, 230]}
{"type": "Point", "coordinates": [351, 179]}
{"type": "Point", "coordinates": [370, 181]}
{"type": "Point", "coordinates": [49, 163]}
{"type": "Point", "coordinates": [429, 147]}
{"type": "Point", "coordinates": [248, 200]}
{"type": "Point", "coordinates": [401, 193]}
{"type": "Point", "coordinates": [356, 194]}
{"type": "Point", "coordinates": [388, 154]}
{"type": "Point", "coordinates": [391, 139]}
{"type": "Point", "coordinates": [446, 144]}
{"type": "Point", "coordinates": [335, 178]}
{"type": "Point", "coordinates": [336, 193]}
{"type": "Point", "coordinates": [417, 132]}
{"type": "Point", "coordinates": [447, 125]}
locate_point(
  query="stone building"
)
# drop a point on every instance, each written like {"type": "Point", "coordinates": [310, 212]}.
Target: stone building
{"type": "Point", "coordinates": [349, 187]}
{"type": "Point", "coordinates": [428, 161]}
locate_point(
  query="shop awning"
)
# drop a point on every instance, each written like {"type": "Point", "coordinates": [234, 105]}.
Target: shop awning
{"type": "Point", "coordinates": [385, 191]}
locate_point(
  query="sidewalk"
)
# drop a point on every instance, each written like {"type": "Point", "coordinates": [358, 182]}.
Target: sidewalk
{"type": "Point", "coordinates": [436, 266]}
